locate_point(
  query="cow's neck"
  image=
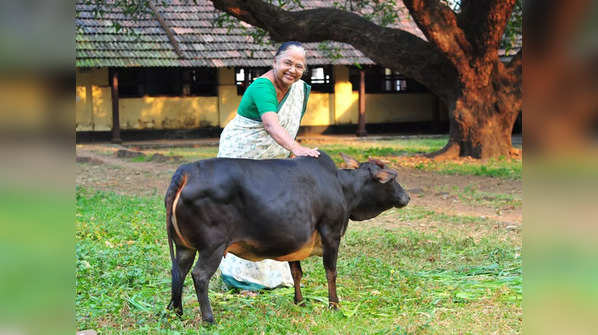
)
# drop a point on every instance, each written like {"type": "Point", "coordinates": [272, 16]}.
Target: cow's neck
{"type": "Point", "coordinates": [351, 183]}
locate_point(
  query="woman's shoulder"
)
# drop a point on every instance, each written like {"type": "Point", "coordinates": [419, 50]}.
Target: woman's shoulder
{"type": "Point", "coordinates": [262, 82]}
{"type": "Point", "coordinates": [262, 85]}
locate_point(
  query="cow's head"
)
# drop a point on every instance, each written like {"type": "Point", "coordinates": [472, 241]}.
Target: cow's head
{"type": "Point", "coordinates": [378, 188]}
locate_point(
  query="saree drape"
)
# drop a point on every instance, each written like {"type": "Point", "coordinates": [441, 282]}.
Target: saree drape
{"type": "Point", "coordinates": [246, 138]}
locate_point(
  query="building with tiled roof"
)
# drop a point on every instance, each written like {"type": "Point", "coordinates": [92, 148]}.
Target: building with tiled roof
{"type": "Point", "coordinates": [145, 42]}
{"type": "Point", "coordinates": [173, 68]}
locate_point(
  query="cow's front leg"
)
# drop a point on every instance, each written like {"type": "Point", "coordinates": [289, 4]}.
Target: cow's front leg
{"type": "Point", "coordinates": [297, 274]}
{"type": "Point", "coordinates": [330, 243]}
{"type": "Point", "coordinates": [204, 269]}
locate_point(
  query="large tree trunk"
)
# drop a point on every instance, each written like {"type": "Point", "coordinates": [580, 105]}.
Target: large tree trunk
{"type": "Point", "coordinates": [479, 128]}
{"type": "Point", "coordinates": [483, 115]}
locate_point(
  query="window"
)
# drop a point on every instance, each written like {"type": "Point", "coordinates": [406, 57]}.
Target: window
{"type": "Point", "coordinates": [130, 82]}
{"type": "Point", "coordinates": [163, 82]}
{"type": "Point", "coordinates": [320, 78]}
{"type": "Point", "coordinates": [200, 81]}
{"type": "Point", "coordinates": [167, 81]}
{"type": "Point", "coordinates": [245, 76]}
{"type": "Point", "coordinates": [384, 80]}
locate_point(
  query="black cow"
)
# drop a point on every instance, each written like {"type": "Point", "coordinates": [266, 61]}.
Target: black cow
{"type": "Point", "coordinates": [282, 209]}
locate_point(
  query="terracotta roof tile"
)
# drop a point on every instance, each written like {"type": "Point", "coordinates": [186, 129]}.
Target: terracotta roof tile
{"type": "Point", "coordinates": [203, 44]}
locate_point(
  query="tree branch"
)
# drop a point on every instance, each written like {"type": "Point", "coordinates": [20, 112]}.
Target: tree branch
{"type": "Point", "coordinates": [484, 23]}
{"type": "Point", "coordinates": [167, 30]}
{"type": "Point", "coordinates": [439, 23]}
{"type": "Point", "coordinates": [393, 48]}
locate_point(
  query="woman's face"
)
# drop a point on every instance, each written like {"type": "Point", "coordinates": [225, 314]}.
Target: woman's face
{"type": "Point", "coordinates": [289, 65]}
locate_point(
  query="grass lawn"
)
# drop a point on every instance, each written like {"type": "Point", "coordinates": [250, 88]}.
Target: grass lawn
{"type": "Point", "coordinates": [408, 271]}
{"type": "Point", "coordinates": [401, 152]}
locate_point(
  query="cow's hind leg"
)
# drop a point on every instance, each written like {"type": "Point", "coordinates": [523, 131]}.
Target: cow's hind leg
{"type": "Point", "coordinates": [180, 269]}
{"type": "Point", "coordinates": [204, 269]}
{"type": "Point", "coordinates": [297, 274]}
{"type": "Point", "coordinates": [330, 243]}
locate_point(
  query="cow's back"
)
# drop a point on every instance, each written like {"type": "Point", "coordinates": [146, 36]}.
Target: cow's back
{"type": "Point", "coordinates": [278, 202]}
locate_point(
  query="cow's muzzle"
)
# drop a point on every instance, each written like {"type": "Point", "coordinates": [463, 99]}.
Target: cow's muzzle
{"type": "Point", "coordinates": [403, 200]}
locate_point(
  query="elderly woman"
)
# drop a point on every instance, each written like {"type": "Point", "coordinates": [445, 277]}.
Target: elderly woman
{"type": "Point", "coordinates": [265, 127]}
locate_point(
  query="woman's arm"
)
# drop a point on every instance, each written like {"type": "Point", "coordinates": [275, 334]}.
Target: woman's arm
{"type": "Point", "coordinates": [282, 137]}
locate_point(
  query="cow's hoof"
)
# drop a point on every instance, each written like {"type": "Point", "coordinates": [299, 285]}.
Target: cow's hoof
{"type": "Point", "coordinates": [208, 320]}
{"type": "Point", "coordinates": [177, 310]}
{"type": "Point", "coordinates": [300, 302]}
{"type": "Point", "coordinates": [333, 305]}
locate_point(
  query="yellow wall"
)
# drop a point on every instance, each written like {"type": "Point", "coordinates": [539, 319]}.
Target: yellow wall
{"type": "Point", "coordinates": [94, 106]}
{"type": "Point", "coordinates": [345, 103]}
{"type": "Point", "coordinates": [93, 109]}
{"type": "Point", "coordinates": [228, 100]}
{"type": "Point", "coordinates": [411, 107]}
{"type": "Point", "coordinates": [320, 110]}
{"type": "Point", "coordinates": [101, 102]}
{"type": "Point", "coordinates": [168, 112]}
{"type": "Point", "coordinates": [83, 115]}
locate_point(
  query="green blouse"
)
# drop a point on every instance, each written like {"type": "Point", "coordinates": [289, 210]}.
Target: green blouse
{"type": "Point", "coordinates": [260, 98]}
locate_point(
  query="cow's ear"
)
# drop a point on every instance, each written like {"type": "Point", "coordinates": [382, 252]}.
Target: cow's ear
{"type": "Point", "coordinates": [350, 161]}
{"type": "Point", "coordinates": [385, 175]}
{"type": "Point", "coordinates": [377, 162]}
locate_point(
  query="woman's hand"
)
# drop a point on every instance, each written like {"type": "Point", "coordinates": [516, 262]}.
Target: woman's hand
{"type": "Point", "coordinates": [282, 137]}
{"type": "Point", "coordinates": [299, 150]}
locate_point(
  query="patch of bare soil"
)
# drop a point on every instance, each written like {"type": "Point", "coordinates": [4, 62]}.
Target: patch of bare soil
{"type": "Point", "coordinates": [441, 193]}
{"type": "Point", "coordinates": [99, 167]}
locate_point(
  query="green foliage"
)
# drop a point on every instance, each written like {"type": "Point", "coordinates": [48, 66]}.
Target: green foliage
{"type": "Point", "coordinates": [132, 9]}
{"type": "Point", "coordinates": [257, 34]}
{"type": "Point", "coordinates": [513, 34]}
{"type": "Point", "coordinates": [330, 50]}
{"type": "Point", "coordinates": [390, 280]}
{"type": "Point", "coordinates": [383, 13]}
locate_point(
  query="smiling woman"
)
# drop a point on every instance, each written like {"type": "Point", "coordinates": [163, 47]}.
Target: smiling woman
{"type": "Point", "coordinates": [271, 109]}
{"type": "Point", "coordinates": [265, 127]}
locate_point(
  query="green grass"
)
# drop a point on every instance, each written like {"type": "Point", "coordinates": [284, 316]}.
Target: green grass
{"type": "Point", "coordinates": [393, 149]}
{"type": "Point", "coordinates": [193, 154]}
{"type": "Point", "coordinates": [183, 154]}
{"type": "Point", "coordinates": [362, 149]}
{"type": "Point", "coordinates": [501, 167]}
{"type": "Point", "coordinates": [470, 195]}
{"type": "Point", "coordinates": [142, 158]}
{"type": "Point", "coordinates": [497, 200]}
{"type": "Point", "coordinates": [392, 278]}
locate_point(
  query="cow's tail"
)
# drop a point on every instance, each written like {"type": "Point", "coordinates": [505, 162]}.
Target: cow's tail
{"type": "Point", "coordinates": [179, 179]}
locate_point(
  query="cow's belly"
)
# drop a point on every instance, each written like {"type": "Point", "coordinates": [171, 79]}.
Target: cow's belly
{"type": "Point", "coordinates": [251, 251]}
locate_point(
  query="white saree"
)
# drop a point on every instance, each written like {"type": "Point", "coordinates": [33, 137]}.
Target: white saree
{"type": "Point", "coordinates": [245, 138]}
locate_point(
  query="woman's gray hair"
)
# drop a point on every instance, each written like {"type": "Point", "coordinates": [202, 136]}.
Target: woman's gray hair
{"type": "Point", "coordinates": [286, 45]}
